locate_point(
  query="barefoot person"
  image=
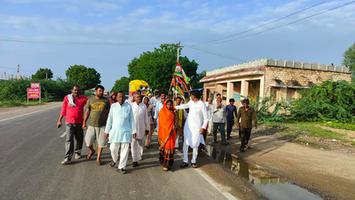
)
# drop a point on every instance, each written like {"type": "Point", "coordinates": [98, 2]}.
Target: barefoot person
{"type": "Point", "coordinates": [195, 126]}
{"type": "Point", "coordinates": [95, 117]}
{"type": "Point", "coordinates": [119, 128]}
{"type": "Point", "coordinates": [167, 135]}
{"type": "Point", "coordinates": [72, 110]}
{"type": "Point", "coordinates": [141, 122]}
{"type": "Point", "coordinates": [246, 117]}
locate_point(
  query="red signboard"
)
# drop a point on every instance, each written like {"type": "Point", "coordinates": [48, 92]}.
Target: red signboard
{"type": "Point", "coordinates": [35, 85]}
{"type": "Point", "coordinates": [33, 93]}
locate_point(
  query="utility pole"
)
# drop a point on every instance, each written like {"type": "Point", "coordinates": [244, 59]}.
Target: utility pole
{"type": "Point", "coordinates": [178, 49]}
{"type": "Point", "coordinates": [18, 72]}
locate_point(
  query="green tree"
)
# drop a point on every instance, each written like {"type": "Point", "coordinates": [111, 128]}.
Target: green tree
{"type": "Point", "coordinates": [85, 77]}
{"type": "Point", "coordinates": [14, 90]}
{"type": "Point", "coordinates": [157, 66]}
{"type": "Point", "coordinates": [121, 84]}
{"type": "Point", "coordinates": [195, 82]}
{"type": "Point", "coordinates": [42, 74]}
{"type": "Point", "coordinates": [349, 59]}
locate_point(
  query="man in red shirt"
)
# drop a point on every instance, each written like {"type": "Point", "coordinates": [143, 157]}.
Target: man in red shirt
{"type": "Point", "coordinates": [72, 110]}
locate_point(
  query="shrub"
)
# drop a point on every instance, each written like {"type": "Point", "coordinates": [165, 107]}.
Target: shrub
{"type": "Point", "coordinates": [16, 90]}
{"type": "Point", "coordinates": [269, 110]}
{"type": "Point", "coordinates": [329, 101]}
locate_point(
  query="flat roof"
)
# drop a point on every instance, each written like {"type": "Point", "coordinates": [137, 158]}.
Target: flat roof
{"type": "Point", "coordinates": [280, 63]}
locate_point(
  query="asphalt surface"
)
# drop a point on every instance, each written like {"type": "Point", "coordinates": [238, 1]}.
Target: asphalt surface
{"type": "Point", "coordinates": [31, 150]}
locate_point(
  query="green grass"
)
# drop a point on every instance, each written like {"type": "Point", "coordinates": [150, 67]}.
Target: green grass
{"type": "Point", "coordinates": [312, 129]}
{"type": "Point", "coordinates": [339, 125]}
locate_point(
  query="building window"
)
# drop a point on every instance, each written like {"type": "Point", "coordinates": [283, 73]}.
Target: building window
{"type": "Point", "coordinates": [276, 94]}
{"type": "Point", "coordinates": [292, 94]}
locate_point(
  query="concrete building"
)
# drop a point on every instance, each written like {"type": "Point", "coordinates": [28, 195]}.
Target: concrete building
{"type": "Point", "coordinates": [279, 79]}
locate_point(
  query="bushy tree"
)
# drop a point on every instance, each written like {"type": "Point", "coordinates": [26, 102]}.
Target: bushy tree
{"type": "Point", "coordinates": [85, 77]}
{"type": "Point", "coordinates": [157, 66]}
{"type": "Point", "coordinates": [121, 84]}
{"type": "Point", "coordinates": [42, 74]}
{"type": "Point", "coordinates": [54, 90]}
{"type": "Point", "coordinates": [349, 60]}
{"type": "Point", "coordinates": [16, 90]}
{"type": "Point", "coordinates": [195, 81]}
{"type": "Point", "coordinates": [332, 100]}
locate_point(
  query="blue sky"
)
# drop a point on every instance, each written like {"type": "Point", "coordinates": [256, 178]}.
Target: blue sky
{"type": "Point", "coordinates": [132, 27]}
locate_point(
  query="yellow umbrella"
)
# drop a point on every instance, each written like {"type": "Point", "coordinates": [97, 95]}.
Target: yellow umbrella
{"type": "Point", "coordinates": [138, 85]}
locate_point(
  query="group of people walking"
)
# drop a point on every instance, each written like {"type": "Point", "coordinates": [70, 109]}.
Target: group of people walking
{"type": "Point", "coordinates": [224, 116]}
{"type": "Point", "coordinates": [128, 125]}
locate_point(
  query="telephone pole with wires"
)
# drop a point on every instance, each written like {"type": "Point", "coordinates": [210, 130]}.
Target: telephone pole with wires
{"type": "Point", "coordinates": [178, 51]}
{"type": "Point", "coordinates": [18, 72]}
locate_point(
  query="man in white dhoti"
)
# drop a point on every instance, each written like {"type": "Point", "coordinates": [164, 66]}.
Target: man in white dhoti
{"type": "Point", "coordinates": [119, 128]}
{"type": "Point", "coordinates": [195, 126]}
{"type": "Point", "coordinates": [141, 122]}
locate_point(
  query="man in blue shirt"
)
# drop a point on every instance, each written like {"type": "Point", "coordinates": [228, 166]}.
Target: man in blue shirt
{"type": "Point", "coordinates": [231, 111]}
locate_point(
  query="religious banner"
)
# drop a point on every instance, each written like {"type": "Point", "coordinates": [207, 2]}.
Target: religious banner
{"type": "Point", "coordinates": [180, 83]}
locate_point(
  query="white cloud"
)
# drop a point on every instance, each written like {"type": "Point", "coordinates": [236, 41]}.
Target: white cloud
{"type": "Point", "coordinates": [139, 12]}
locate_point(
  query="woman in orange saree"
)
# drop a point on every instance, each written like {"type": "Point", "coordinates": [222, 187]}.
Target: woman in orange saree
{"type": "Point", "coordinates": [167, 135]}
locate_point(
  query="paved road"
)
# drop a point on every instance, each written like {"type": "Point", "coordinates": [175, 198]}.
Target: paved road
{"type": "Point", "coordinates": [31, 151]}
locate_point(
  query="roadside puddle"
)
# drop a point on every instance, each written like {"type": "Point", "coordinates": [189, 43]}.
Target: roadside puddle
{"type": "Point", "coordinates": [269, 185]}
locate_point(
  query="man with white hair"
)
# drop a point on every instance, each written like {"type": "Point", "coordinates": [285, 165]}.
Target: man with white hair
{"type": "Point", "coordinates": [141, 122]}
{"type": "Point", "coordinates": [120, 128]}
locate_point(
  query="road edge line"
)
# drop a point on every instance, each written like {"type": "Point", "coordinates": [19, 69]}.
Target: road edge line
{"type": "Point", "coordinates": [26, 114]}
{"type": "Point", "coordinates": [213, 183]}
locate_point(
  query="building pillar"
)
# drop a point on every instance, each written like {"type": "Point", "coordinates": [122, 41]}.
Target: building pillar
{"type": "Point", "coordinates": [262, 88]}
{"type": "Point", "coordinates": [244, 88]}
{"type": "Point", "coordinates": [204, 94]}
{"type": "Point", "coordinates": [230, 90]}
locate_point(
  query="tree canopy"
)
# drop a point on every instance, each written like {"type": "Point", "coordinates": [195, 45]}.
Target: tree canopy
{"type": "Point", "coordinates": [157, 66]}
{"type": "Point", "coordinates": [85, 77]}
{"type": "Point", "coordinates": [121, 84]}
{"type": "Point", "coordinates": [349, 59]}
{"type": "Point", "coordinates": [43, 74]}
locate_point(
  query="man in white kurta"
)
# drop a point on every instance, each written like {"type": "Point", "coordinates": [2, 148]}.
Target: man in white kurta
{"type": "Point", "coordinates": [209, 106]}
{"type": "Point", "coordinates": [120, 127]}
{"type": "Point", "coordinates": [195, 125]}
{"type": "Point", "coordinates": [141, 122]}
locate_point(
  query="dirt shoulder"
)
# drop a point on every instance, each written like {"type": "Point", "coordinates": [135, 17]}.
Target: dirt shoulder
{"type": "Point", "coordinates": [329, 173]}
